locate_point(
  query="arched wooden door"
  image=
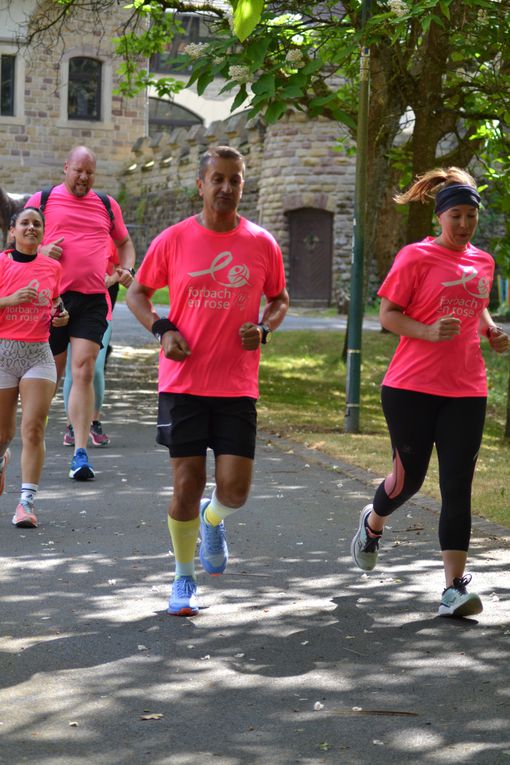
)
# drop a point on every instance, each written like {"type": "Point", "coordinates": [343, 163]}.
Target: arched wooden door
{"type": "Point", "coordinates": [310, 255]}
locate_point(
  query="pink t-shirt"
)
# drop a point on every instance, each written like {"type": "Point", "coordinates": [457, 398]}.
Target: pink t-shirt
{"type": "Point", "coordinates": [215, 281]}
{"type": "Point", "coordinates": [86, 226]}
{"type": "Point", "coordinates": [28, 321]}
{"type": "Point", "coordinates": [429, 281]}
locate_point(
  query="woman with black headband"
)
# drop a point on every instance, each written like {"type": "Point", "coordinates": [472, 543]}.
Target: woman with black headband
{"type": "Point", "coordinates": [435, 298]}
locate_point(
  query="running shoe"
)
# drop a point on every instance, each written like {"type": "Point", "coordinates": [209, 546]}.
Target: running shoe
{"type": "Point", "coordinates": [3, 474]}
{"type": "Point", "coordinates": [213, 544]}
{"type": "Point", "coordinates": [183, 598]}
{"type": "Point", "coordinates": [81, 469]}
{"type": "Point", "coordinates": [69, 436]}
{"type": "Point", "coordinates": [96, 433]}
{"type": "Point", "coordinates": [364, 549]}
{"type": "Point", "coordinates": [24, 516]}
{"type": "Point", "coordinates": [457, 601]}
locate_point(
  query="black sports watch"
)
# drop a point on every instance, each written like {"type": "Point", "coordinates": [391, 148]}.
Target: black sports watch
{"type": "Point", "coordinates": [266, 333]}
{"type": "Point", "coordinates": [131, 271]}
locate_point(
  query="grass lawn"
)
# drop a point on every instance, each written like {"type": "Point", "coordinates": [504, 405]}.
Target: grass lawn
{"type": "Point", "coordinates": [302, 384]}
{"type": "Point", "coordinates": [160, 297]}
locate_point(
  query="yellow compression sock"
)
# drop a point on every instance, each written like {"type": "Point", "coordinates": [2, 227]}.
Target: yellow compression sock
{"type": "Point", "coordinates": [184, 535]}
{"type": "Point", "coordinates": [215, 512]}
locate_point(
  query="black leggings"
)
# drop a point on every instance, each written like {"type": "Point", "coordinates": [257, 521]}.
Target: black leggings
{"type": "Point", "coordinates": [417, 421]}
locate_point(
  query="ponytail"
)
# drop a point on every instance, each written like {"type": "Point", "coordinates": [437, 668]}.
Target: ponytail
{"type": "Point", "coordinates": [426, 186]}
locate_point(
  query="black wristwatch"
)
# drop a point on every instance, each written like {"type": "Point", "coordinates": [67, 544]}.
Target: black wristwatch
{"type": "Point", "coordinates": [131, 271]}
{"type": "Point", "coordinates": [266, 333]}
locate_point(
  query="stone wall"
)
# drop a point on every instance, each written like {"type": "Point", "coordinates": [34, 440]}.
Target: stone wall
{"type": "Point", "coordinates": [36, 141]}
{"type": "Point", "coordinates": [290, 165]}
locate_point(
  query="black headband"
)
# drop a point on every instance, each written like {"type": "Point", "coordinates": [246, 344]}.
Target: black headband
{"type": "Point", "coordinates": [457, 194]}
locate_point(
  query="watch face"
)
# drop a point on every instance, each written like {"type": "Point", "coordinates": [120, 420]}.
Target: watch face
{"type": "Point", "coordinates": [266, 334]}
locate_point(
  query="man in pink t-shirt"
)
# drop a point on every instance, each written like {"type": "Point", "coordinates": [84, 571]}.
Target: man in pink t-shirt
{"type": "Point", "coordinates": [217, 266]}
{"type": "Point", "coordinates": [78, 230]}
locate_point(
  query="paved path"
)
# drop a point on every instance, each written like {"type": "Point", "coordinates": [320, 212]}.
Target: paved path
{"type": "Point", "coordinates": [126, 330]}
{"type": "Point", "coordinates": [296, 657]}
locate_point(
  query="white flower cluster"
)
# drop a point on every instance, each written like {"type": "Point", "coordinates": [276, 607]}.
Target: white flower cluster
{"type": "Point", "coordinates": [240, 74]}
{"type": "Point", "coordinates": [295, 58]}
{"type": "Point", "coordinates": [398, 7]}
{"type": "Point", "coordinates": [195, 50]}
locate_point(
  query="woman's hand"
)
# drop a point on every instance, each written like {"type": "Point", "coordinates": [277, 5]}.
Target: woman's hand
{"type": "Point", "coordinates": [60, 319]}
{"type": "Point", "coordinates": [53, 249]}
{"type": "Point", "coordinates": [23, 295]}
{"type": "Point", "coordinates": [111, 279]}
{"type": "Point", "coordinates": [498, 339]}
{"type": "Point", "coordinates": [59, 314]}
{"type": "Point", "coordinates": [124, 276]}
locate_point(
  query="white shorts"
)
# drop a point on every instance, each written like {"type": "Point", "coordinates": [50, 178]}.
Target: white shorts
{"type": "Point", "coordinates": [22, 361]}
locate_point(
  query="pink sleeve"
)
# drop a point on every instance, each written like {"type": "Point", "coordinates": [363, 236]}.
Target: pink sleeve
{"type": "Point", "coordinates": [56, 289]}
{"type": "Point", "coordinates": [275, 281]}
{"type": "Point", "coordinates": [119, 231]}
{"type": "Point", "coordinates": [400, 282]}
{"type": "Point", "coordinates": [34, 201]}
{"type": "Point", "coordinates": [153, 272]}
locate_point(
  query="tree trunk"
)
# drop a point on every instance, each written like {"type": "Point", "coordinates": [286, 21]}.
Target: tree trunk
{"type": "Point", "coordinates": [385, 222]}
{"type": "Point", "coordinates": [507, 426]}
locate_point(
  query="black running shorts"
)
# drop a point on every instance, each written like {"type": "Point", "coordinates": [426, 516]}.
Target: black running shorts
{"type": "Point", "coordinates": [87, 320]}
{"type": "Point", "coordinates": [188, 425]}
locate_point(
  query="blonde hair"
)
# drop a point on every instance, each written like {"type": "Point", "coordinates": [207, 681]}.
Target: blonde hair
{"type": "Point", "coordinates": [426, 186]}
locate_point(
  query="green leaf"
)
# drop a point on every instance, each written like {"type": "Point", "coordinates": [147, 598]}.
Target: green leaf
{"type": "Point", "coordinates": [265, 85]}
{"type": "Point", "coordinates": [340, 116]}
{"type": "Point", "coordinates": [312, 66]}
{"type": "Point", "coordinates": [292, 91]}
{"type": "Point", "coordinates": [256, 51]}
{"type": "Point", "coordinates": [241, 97]}
{"type": "Point", "coordinates": [258, 100]}
{"type": "Point", "coordinates": [322, 100]}
{"type": "Point", "coordinates": [246, 17]}
{"type": "Point", "coordinates": [275, 111]}
{"type": "Point", "coordinates": [203, 81]}
{"type": "Point", "coordinates": [445, 9]}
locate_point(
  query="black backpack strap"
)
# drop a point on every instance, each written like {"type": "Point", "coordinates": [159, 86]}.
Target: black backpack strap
{"type": "Point", "coordinates": [106, 201]}
{"type": "Point", "coordinates": [45, 193]}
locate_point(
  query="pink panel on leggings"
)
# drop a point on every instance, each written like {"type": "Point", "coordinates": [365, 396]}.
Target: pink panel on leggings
{"type": "Point", "coordinates": [394, 483]}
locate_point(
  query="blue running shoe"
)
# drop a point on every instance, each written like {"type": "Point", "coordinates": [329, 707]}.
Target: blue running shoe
{"type": "Point", "coordinates": [81, 469]}
{"type": "Point", "coordinates": [213, 544]}
{"type": "Point", "coordinates": [183, 598]}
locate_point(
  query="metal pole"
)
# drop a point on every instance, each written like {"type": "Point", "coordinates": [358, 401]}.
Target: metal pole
{"type": "Point", "coordinates": [355, 317]}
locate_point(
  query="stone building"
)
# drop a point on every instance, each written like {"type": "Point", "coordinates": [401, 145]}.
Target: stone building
{"type": "Point", "coordinates": [55, 96]}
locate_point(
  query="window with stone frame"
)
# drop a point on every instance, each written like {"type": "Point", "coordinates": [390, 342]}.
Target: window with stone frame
{"type": "Point", "coordinates": [84, 89]}
{"type": "Point", "coordinates": [196, 29]}
{"type": "Point", "coordinates": [7, 85]}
